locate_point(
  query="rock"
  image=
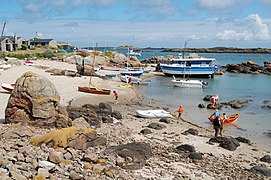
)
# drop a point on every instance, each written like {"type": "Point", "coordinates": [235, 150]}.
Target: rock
{"type": "Point", "coordinates": [76, 176]}
{"type": "Point", "coordinates": [191, 131]}
{"type": "Point", "coordinates": [86, 112]}
{"type": "Point", "coordinates": [47, 165]}
{"type": "Point", "coordinates": [111, 172]}
{"type": "Point", "coordinates": [90, 156]}
{"type": "Point", "coordinates": [243, 140]}
{"type": "Point", "coordinates": [81, 123]}
{"type": "Point", "coordinates": [43, 172]}
{"type": "Point", "coordinates": [207, 98]}
{"type": "Point", "coordinates": [97, 168]}
{"type": "Point", "coordinates": [156, 126]}
{"type": "Point", "coordinates": [201, 106]}
{"type": "Point", "coordinates": [116, 114]}
{"type": "Point", "coordinates": [17, 175]}
{"type": "Point", "coordinates": [185, 148]}
{"type": "Point", "coordinates": [100, 141]}
{"type": "Point", "coordinates": [107, 119]}
{"type": "Point", "coordinates": [35, 101]}
{"type": "Point", "coordinates": [229, 143]}
{"type": "Point", "coordinates": [195, 155]}
{"type": "Point", "coordinates": [266, 158]}
{"type": "Point", "coordinates": [146, 131]}
{"type": "Point", "coordinates": [165, 120]}
{"type": "Point", "coordinates": [56, 72]}
{"type": "Point", "coordinates": [105, 108]}
{"type": "Point", "coordinates": [55, 157]}
{"type": "Point", "coordinates": [266, 107]}
{"type": "Point", "coordinates": [261, 170]}
{"type": "Point", "coordinates": [135, 154]}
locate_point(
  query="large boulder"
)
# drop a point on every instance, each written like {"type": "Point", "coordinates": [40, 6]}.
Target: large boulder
{"type": "Point", "coordinates": [135, 154]}
{"type": "Point", "coordinates": [35, 101]}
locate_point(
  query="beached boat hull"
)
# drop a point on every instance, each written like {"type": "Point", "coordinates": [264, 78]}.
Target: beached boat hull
{"type": "Point", "coordinates": [157, 113]}
{"type": "Point", "coordinates": [230, 118]}
{"type": "Point", "coordinates": [134, 80]}
{"type": "Point", "coordinates": [110, 68]}
{"type": "Point", "coordinates": [94, 90]}
{"type": "Point", "coordinates": [132, 72]}
{"type": "Point", "coordinates": [188, 83]}
{"type": "Point", "coordinates": [8, 87]}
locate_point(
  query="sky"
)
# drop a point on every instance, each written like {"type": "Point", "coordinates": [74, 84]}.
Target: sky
{"type": "Point", "coordinates": [142, 23]}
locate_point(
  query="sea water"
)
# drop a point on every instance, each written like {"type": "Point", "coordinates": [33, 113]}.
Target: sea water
{"type": "Point", "coordinates": [253, 122]}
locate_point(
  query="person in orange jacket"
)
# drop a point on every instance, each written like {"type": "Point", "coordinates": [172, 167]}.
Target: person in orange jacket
{"type": "Point", "coordinates": [180, 111]}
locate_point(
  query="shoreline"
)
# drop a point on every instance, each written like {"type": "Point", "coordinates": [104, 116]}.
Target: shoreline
{"type": "Point", "coordinates": [163, 141]}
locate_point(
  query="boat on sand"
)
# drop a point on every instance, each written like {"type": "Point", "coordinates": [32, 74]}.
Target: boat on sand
{"type": "Point", "coordinates": [93, 90]}
{"type": "Point", "coordinates": [90, 88]}
{"type": "Point", "coordinates": [134, 80]}
{"type": "Point", "coordinates": [157, 113]}
{"type": "Point", "coordinates": [230, 118]}
{"type": "Point", "coordinates": [8, 87]}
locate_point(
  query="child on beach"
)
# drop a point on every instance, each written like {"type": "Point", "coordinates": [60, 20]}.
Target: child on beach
{"type": "Point", "coordinates": [180, 111]}
{"type": "Point", "coordinates": [116, 95]}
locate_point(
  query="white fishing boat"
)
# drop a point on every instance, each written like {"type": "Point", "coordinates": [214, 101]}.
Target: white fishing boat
{"type": "Point", "coordinates": [131, 72]}
{"type": "Point", "coordinates": [134, 52]}
{"type": "Point", "coordinates": [157, 113]}
{"type": "Point", "coordinates": [196, 66]}
{"type": "Point", "coordinates": [188, 83]}
{"type": "Point", "coordinates": [134, 80]}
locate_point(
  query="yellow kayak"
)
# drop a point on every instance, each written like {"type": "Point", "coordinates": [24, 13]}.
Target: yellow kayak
{"type": "Point", "coordinates": [125, 86]}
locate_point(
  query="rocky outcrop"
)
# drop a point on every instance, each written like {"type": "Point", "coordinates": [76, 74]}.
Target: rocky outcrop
{"type": "Point", "coordinates": [133, 155]}
{"type": "Point", "coordinates": [248, 67]}
{"type": "Point", "coordinates": [35, 101]}
{"type": "Point", "coordinates": [94, 114]}
{"type": "Point", "coordinates": [228, 143]}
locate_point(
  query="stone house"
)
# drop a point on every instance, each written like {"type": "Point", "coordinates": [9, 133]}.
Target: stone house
{"type": "Point", "coordinates": [44, 42]}
{"type": "Point", "coordinates": [12, 43]}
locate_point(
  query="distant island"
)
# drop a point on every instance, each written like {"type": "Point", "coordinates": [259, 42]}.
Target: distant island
{"type": "Point", "coordinates": [221, 50]}
{"type": "Point", "coordinates": [192, 50]}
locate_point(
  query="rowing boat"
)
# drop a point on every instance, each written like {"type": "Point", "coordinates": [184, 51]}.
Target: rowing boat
{"type": "Point", "coordinates": [8, 87]}
{"type": "Point", "coordinates": [157, 113]}
{"type": "Point", "coordinates": [230, 118]}
{"type": "Point", "coordinates": [94, 90]}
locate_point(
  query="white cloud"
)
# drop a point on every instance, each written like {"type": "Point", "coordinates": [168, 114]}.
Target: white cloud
{"type": "Point", "coordinates": [254, 29]}
{"type": "Point", "coordinates": [258, 27]}
{"type": "Point", "coordinates": [229, 35]}
{"type": "Point", "coordinates": [215, 4]}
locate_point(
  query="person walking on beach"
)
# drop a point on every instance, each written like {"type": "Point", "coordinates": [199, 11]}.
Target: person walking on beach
{"type": "Point", "coordinates": [222, 123]}
{"type": "Point", "coordinates": [217, 126]}
{"type": "Point", "coordinates": [116, 95]}
{"type": "Point", "coordinates": [180, 111]}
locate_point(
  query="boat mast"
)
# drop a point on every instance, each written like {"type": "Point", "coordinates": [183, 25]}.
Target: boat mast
{"type": "Point", "coordinates": [93, 64]}
{"type": "Point", "coordinates": [184, 49]}
{"type": "Point", "coordinates": [2, 38]}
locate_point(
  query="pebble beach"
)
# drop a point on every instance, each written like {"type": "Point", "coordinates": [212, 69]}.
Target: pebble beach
{"type": "Point", "coordinates": [165, 162]}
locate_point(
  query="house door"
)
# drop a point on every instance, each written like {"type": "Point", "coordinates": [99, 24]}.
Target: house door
{"type": "Point", "coordinates": [8, 47]}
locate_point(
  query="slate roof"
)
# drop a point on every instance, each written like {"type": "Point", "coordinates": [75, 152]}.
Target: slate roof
{"type": "Point", "coordinates": [41, 40]}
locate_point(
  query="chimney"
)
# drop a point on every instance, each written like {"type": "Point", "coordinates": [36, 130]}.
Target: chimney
{"type": "Point", "coordinates": [15, 38]}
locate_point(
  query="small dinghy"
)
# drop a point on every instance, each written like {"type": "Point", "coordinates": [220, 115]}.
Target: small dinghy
{"type": "Point", "coordinates": [230, 118]}
{"type": "Point", "coordinates": [157, 113]}
{"type": "Point", "coordinates": [8, 87]}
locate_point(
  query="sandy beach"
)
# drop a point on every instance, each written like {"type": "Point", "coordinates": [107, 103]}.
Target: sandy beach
{"type": "Point", "coordinates": [217, 163]}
